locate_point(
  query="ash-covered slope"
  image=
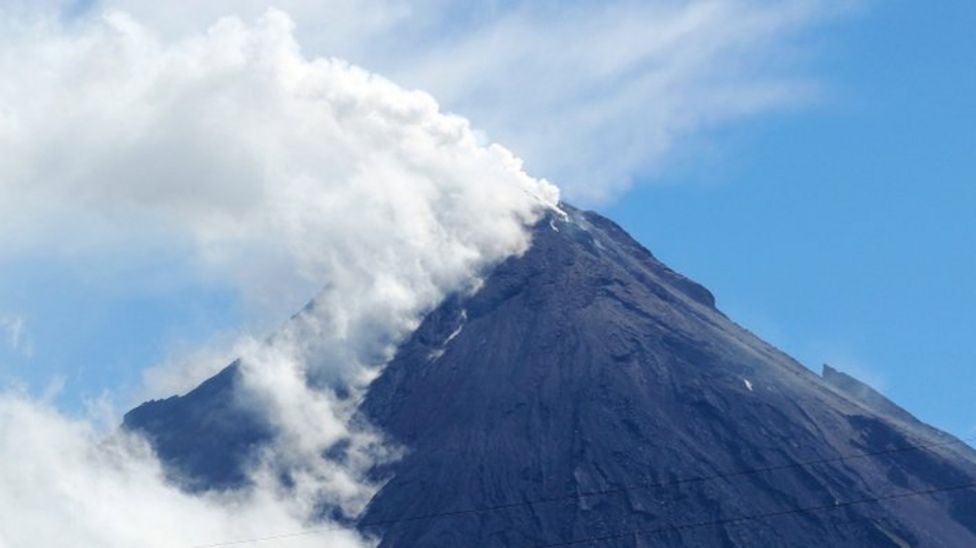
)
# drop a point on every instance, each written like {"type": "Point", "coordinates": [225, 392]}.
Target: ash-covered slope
{"type": "Point", "coordinates": [586, 391]}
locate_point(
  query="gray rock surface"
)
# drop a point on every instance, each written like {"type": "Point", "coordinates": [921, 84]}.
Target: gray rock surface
{"type": "Point", "coordinates": [587, 391]}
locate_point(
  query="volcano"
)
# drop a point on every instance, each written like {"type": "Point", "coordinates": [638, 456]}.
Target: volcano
{"type": "Point", "coordinates": [588, 395]}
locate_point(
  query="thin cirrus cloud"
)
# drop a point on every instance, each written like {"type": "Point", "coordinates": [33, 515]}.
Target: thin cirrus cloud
{"type": "Point", "coordinates": [13, 331]}
{"type": "Point", "coordinates": [593, 95]}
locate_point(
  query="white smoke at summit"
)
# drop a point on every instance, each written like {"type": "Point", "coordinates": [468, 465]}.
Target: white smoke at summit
{"type": "Point", "coordinates": [286, 176]}
{"type": "Point", "coordinates": [270, 168]}
{"type": "Point", "coordinates": [234, 156]}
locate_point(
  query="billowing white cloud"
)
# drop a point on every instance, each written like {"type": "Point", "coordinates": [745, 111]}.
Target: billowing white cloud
{"type": "Point", "coordinates": [288, 177]}
{"type": "Point", "coordinates": [271, 168]}
{"type": "Point", "coordinates": [593, 94]}
{"type": "Point", "coordinates": [63, 484]}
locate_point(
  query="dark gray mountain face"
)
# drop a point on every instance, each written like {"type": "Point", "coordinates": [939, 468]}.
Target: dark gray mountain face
{"type": "Point", "coordinates": [586, 391]}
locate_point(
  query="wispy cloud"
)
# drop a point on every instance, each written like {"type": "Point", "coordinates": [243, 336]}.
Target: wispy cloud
{"type": "Point", "coordinates": [593, 94]}
{"type": "Point", "coordinates": [597, 95]}
{"type": "Point", "coordinates": [15, 336]}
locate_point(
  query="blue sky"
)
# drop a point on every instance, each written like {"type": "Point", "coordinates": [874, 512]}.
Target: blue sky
{"type": "Point", "coordinates": [837, 223]}
{"type": "Point", "coordinates": [846, 232]}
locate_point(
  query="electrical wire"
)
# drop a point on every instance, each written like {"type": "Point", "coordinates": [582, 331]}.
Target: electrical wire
{"type": "Point", "coordinates": [600, 492]}
{"type": "Point", "coordinates": [765, 515]}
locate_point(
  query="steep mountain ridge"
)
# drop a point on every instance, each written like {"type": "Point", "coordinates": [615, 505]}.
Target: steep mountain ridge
{"type": "Point", "coordinates": [588, 375]}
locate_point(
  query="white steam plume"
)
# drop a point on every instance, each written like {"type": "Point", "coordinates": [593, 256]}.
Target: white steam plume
{"type": "Point", "coordinates": [270, 170]}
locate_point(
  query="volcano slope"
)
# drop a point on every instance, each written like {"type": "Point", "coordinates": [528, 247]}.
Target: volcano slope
{"type": "Point", "coordinates": [586, 394]}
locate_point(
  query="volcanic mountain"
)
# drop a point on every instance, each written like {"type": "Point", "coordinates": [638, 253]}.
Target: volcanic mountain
{"type": "Point", "coordinates": [588, 395]}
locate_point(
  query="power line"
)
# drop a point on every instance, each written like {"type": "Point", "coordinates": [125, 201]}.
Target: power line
{"type": "Point", "coordinates": [600, 492]}
{"type": "Point", "coordinates": [282, 536]}
{"type": "Point", "coordinates": [681, 481]}
{"type": "Point", "coordinates": [766, 515]}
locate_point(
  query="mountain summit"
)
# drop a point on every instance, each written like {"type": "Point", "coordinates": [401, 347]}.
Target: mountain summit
{"type": "Point", "coordinates": [587, 394]}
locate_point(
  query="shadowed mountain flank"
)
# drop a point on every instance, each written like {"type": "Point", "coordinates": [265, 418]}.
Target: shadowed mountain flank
{"type": "Point", "coordinates": [587, 391]}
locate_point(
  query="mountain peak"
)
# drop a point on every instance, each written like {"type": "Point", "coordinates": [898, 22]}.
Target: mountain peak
{"type": "Point", "coordinates": [604, 236]}
{"type": "Point", "coordinates": [589, 376]}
